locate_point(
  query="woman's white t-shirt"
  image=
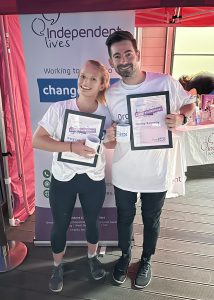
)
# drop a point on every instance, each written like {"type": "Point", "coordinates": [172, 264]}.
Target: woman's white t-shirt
{"type": "Point", "coordinates": [52, 122]}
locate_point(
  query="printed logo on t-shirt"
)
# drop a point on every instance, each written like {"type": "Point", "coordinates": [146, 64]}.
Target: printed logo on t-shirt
{"type": "Point", "coordinates": [122, 117]}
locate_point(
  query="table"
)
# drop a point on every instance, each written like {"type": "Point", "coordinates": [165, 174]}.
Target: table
{"type": "Point", "coordinates": [192, 146]}
{"type": "Point", "coordinates": [199, 144]}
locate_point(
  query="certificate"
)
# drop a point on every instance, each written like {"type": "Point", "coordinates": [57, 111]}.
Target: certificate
{"type": "Point", "coordinates": [77, 125]}
{"type": "Point", "coordinates": [147, 113]}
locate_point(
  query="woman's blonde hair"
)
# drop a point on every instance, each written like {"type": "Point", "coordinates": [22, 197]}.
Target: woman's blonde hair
{"type": "Point", "coordinates": [105, 79]}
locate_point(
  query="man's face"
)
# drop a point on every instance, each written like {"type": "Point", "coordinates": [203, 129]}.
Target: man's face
{"type": "Point", "coordinates": [124, 59]}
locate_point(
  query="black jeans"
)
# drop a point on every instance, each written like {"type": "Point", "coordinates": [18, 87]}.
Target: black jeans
{"type": "Point", "coordinates": [62, 199]}
{"type": "Point", "coordinates": [151, 207]}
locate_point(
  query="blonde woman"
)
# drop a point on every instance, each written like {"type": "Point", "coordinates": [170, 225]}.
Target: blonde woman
{"type": "Point", "coordinates": [69, 179]}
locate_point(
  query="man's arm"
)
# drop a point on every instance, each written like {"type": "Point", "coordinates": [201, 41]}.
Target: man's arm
{"type": "Point", "coordinates": [187, 109]}
{"type": "Point", "coordinates": [110, 145]}
{"type": "Point", "coordinates": [175, 120]}
{"type": "Point", "coordinates": [109, 140]}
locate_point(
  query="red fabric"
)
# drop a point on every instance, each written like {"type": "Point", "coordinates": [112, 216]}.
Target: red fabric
{"type": "Point", "coordinates": [24, 132]}
{"type": "Point", "coordinates": [59, 6]}
{"type": "Point", "coordinates": [165, 17]}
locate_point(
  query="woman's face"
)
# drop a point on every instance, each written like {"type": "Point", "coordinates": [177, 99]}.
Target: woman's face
{"type": "Point", "coordinates": [89, 81]}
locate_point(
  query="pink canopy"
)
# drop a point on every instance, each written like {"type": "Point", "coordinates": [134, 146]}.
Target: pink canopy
{"type": "Point", "coordinates": [148, 12]}
{"type": "Point", "coordinates": [179, 16]}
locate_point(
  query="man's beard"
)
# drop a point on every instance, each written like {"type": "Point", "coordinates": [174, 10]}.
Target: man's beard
{"type": "Point", "coordinates": [125, 72]}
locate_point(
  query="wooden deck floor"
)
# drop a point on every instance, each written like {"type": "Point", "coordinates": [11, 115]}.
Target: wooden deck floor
{"type": "Point", "coordinates": [183, 266]}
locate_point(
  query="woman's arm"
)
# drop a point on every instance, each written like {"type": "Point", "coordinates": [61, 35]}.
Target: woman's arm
{"type": "Point", "coordinates": [43, 141]}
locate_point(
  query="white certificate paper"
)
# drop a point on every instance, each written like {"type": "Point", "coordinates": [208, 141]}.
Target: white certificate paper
{"type": "Point", "coordinates": [147, 113]}
{"type": "Point", "coordinates": [77, 125]}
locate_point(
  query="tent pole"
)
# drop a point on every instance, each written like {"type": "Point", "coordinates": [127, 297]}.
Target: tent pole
{"type": "Point", "coordinates": [13, 117]}
{"type": "Point", "coordinates": [12, 253]}
{"type": "Point", "coordinates": [170, 34]}
{"type": "Point", "coordinates": [7, 179]}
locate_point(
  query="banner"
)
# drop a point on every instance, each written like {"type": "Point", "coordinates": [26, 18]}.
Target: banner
{"type": "Point", "coordinates": [55, 47]}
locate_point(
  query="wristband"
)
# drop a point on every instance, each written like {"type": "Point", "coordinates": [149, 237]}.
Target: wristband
{"type": "Point", "coordinates": [185, 120]}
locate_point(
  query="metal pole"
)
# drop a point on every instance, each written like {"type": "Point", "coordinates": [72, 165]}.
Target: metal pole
{"type": "Point", "coordinates": [12, 253]}
{"type": "Point", "coordinates": [7, 179]}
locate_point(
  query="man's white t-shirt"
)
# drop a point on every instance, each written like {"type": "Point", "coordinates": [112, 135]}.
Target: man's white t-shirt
{"type": "Point", "coordinates": [142, 170]}
{"type": "Point", "coordinates": [52, 122]}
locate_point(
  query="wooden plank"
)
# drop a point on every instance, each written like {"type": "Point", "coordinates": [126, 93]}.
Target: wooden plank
{"type": "Point", "coordinates": [178, 258]}
{"type": "Point", "coordinates": [190, 226]}
{"type": "Point", "coordinates": [185, 246]}
{"type": "Point", "coordinates": [11, 293]}
{"type": "Point", "coordinates": [181, 289]}
{"type": "Point", "coordinates": [77, 289]}
{"type": "Point", "coordinates": [193, 201]}
{"type": "Point", "coordinates": [187, 216]}
{"type": "Point", "coordinates": [180, 225]}
{"type": "Point", "coordinates": [176, 272]}
{"type": "Point", "coordinates": [184, 235]}
{"type": "Point", "coordinates": [202, 210]}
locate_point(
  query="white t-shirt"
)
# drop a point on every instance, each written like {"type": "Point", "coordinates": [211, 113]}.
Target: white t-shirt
{"type": "Point", "coordinates": [142, 170]}
{"type": "Point", "coordinates": [52, 122]}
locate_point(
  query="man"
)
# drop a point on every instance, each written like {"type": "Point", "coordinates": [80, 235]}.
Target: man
{"type": "Point", "coordinates": [141, 171]}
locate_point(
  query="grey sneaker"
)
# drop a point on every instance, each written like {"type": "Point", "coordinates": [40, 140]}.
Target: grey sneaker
{"type": "Point", "coordinates": [144, 273]}
{"type": "Point", "coordinates": [56, 280]}
{"type": "Point", "coordinates": [96, 268]}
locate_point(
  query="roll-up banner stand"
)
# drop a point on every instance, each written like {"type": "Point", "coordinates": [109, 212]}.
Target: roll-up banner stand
{"type": "Point", "coordinates": [55, 46]}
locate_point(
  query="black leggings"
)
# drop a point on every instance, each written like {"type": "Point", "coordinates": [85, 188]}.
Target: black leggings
{"type": "Point", "coordinates": [62, 199]}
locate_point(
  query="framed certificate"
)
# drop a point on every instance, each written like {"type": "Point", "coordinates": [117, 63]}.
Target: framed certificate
{"type": "Point", "coordinates": [77, 125]}
{"type": "Point", "coordinates": [147, 114]}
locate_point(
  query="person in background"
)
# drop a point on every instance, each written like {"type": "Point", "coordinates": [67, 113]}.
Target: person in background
{"type": "Point", "coordinates": [141, 171]}
{"type": "Point", "coordinates": [69, 179]}
{"type": "Point", "coordinates": [198, 84]}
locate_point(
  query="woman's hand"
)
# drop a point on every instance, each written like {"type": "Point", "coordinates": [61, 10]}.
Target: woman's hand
{"type": "Point", "coordinates": [80, 148]}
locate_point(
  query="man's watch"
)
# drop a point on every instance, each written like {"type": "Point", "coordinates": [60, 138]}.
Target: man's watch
{"type": "Point", "coordinates": [185, 120]}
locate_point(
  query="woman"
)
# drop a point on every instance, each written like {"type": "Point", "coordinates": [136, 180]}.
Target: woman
{"type": "Point", "coordinates": [198, 84]}
{"type": "Point", "coordinates": [70, 179]}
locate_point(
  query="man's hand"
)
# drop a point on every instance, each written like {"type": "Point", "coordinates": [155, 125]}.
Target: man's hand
{"type": "Point", "coordinates": [111, 133]}
{"type": "Point", "coordinates": [174, 120]}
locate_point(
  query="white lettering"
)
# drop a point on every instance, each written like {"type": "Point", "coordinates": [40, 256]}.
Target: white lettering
{"type": "Point", "coordinates": [50, 90]}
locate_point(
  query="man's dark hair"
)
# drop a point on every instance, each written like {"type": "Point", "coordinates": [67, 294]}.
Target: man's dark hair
{"type": "Point", "coordinates": [118, 36]}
